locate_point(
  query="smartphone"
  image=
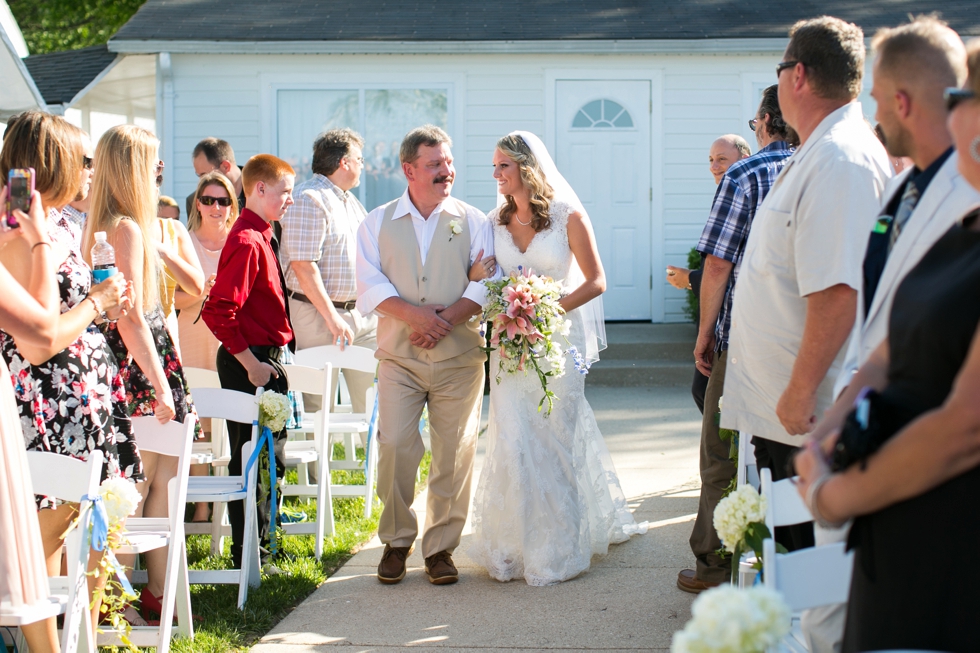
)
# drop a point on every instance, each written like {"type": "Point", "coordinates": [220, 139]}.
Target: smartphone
{"type": "Point", "coordinates": [20, 186]}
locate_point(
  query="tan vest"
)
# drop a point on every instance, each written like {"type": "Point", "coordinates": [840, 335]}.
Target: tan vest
{"type": "Point", "coordinates": [442, 280]}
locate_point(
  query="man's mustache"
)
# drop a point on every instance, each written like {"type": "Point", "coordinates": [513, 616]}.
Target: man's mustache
{"type": "Point", "coordinates": [442, 179]}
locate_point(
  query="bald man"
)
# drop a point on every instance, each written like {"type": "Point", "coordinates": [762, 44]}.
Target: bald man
{"type": "Point", "coordinates": [725, 151]}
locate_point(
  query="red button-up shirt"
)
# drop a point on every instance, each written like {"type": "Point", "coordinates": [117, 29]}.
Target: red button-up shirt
{"type": "Point", "coordinates": [246, 306]}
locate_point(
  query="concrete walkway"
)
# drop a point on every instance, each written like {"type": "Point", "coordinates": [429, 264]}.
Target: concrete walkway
{"type": "Point", "coordinates": [628, 601]}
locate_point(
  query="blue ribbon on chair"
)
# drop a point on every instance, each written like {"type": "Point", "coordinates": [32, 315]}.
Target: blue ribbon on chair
{"type": "Point", "coordinates": [98, 519]}
{"type": "Point", "coordinates": [266, 438]}
{"type": "Point", "coordinates": [372, 427]}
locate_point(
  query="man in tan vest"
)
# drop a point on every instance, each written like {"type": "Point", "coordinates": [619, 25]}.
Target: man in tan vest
{"type": "Point", "coordinates": [413, 260]}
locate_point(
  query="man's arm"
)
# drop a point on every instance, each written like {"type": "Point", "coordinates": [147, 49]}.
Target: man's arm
{"type": "Point", "coordinates": [714, 282]}
{"type": "Point", "coordinates": [829, 318]}
{"type": "Point", "coordinates": [311, 283]}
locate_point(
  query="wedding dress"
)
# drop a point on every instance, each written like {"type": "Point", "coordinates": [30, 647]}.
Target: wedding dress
{"type": "Point", "coordinates": [548, 498]}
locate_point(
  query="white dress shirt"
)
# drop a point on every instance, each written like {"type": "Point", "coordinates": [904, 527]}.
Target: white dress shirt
{"type": "Point", "coordinates": [373, 287]}
{"type": "Point", "coordinates": [810, 234]}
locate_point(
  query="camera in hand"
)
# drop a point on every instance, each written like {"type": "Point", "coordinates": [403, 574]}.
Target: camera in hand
{"type": "Point", "coordinates": [862, 434]}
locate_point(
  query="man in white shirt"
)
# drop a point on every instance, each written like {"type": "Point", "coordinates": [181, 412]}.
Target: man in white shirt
{"type": "Point", "coordinates": [413, 260]}
{"type": "Point", "coordinates": [319, 253]}
{"type": "Point", "coordinates": [796, 296]}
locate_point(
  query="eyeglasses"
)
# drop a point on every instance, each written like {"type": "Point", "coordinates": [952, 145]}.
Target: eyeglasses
{"type": "Point", "coordinates": [783, 65]}
{"type": "Point", "coordinates": [956, 95]}
{"type": "Point", "coordinates": [208, 200]}
{"type": "Point", "coordinates": [359, 159]}
{"type": "Point", "coordinates": [88, 162]}
{"type": "Point", "coordinates": [753, 123]}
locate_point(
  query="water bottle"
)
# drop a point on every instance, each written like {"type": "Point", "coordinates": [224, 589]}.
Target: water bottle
{"type": "Point", "coordinates": [103, 258]}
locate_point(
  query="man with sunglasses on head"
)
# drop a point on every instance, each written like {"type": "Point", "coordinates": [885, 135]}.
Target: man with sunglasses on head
{"type": "Point", "coordinates": [796, 296]}
{"type": "Point", "coordinates": [319, 255]}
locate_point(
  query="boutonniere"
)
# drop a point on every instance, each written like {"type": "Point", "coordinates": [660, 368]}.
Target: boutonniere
{"type": "Point", "coordinates": [455, 228]}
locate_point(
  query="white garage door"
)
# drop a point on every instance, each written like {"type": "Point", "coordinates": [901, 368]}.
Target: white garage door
{"type": "Point", "coordinates": [603, 146]}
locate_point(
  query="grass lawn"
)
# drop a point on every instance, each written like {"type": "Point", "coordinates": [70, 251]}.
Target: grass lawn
{"type": "Point", "coordinates": [223, 627]}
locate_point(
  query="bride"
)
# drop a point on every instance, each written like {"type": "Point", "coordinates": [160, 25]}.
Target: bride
{"type": "Point", "coordinates": [548, 498]}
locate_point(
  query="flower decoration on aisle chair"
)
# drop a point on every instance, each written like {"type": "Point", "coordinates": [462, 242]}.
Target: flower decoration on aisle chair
{"type": "Point", "coordinates": [275, 410]}
{"type": "Point", "coordinates": [740, 520]}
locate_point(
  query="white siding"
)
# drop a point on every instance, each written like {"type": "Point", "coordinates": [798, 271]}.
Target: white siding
{"type": "Point", "coordinates": [232, 97]}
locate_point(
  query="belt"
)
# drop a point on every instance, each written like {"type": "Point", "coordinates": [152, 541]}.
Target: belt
{"type": "Point", "coordinates": [272, 352]}
{"type": "Point", "coordinates": [300, 297]}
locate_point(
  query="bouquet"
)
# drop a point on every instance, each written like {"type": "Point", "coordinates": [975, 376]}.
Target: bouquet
{"type": "Point", "coordinates": [740, 520]}
{"type": "Point", "coordinates": [274, 411]}
{"type": "Point", "coordinates": [524, 316]}
{"type": "Point", "coordinates": [120, 498]}
{"type": "Point", "coordinates": [729, 620]}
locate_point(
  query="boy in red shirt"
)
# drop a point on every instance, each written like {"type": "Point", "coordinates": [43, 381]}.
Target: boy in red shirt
{"type": "Point", "coordinates": [247, 312]}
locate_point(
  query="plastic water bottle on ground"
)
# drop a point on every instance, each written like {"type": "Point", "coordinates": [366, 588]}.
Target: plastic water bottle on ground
{"type": "Point", "coordinates": [103, 258]}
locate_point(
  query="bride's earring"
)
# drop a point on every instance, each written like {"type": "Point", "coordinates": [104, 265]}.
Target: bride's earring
{"type": "Point", "coordinates": [975, 149]}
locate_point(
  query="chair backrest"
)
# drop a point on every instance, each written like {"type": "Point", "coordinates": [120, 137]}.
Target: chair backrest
{"type": "Point", "coordinates": [358, 359]}
{"type": "Point", "coordinates": [312, 380]}
{"type": "Point", "coordinates": [809, 578]}
{"type": "Point", "coordinates": [64, 477]}
{"type": "Point", "coordinates": [198, 377]}
{"type": "Point", "coordinates": [784, 505]}
{"type": "Point", "coordinates": [170, 439]}
{"type": "Point", "coordinates": [230, 405]}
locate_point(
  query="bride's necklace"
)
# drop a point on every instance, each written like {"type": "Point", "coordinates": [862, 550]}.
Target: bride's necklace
{"type": "Point", "coordinates": [526, 224]}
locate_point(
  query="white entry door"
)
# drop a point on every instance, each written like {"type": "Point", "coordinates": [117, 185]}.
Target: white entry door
{"type": "Point", "coordinates": [603, 149]}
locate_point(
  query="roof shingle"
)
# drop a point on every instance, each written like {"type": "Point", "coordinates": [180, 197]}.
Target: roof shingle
{"type": "Point", "coordinates": [61, 75]}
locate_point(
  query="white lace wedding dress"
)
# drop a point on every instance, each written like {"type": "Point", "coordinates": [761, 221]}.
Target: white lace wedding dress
{"type": "Point", "coordinates": [548, 497]}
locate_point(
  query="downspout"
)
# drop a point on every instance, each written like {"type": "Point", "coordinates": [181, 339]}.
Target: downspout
{"type": "Point", "coordinates": [165, 119]}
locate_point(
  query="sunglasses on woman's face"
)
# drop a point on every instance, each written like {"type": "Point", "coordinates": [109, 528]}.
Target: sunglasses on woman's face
{"type": "Point", "coordinates": [954, 96]}
{"type": "Point", "coordinates": [207, 200]}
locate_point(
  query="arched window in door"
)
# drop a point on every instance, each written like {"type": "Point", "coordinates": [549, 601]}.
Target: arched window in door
{"type": "Point", "coordinates": [602, 114]}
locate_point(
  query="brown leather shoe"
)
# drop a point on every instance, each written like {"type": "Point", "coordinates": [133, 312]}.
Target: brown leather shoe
{"type": "Point", "coordinates": [441, 569]}
{"type": "Point", "coordinates": [687, 581]}
{"type": "Point", "coordinates": [392, 566]}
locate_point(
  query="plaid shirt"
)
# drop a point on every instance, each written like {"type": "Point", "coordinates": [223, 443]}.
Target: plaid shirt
{"type": "Point", "coordinates": [322, 226]}
{"type": "Point", "coordinates": [737, 198]}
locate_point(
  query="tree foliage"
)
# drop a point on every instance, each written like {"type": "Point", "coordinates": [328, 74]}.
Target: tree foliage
{"type": "Point", "coordinates": [54, 25]}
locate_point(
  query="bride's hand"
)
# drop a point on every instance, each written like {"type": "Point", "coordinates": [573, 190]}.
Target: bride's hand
{"type": "Point", "coordinates": [483, 268]}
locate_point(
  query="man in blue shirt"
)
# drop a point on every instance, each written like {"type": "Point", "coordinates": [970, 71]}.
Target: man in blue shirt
{"type": "Point", "coordinates": [739, 194]}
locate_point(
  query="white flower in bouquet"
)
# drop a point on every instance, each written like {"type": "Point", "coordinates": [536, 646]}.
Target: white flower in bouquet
{"type": "Point", "coordinates": [274, 410]}
{"type": "Point", "coordinates": [736, 512]}
{"type": "Point", "coordinates": [120, 498]}
{"type": "Point", "coordinates": [729, 620]}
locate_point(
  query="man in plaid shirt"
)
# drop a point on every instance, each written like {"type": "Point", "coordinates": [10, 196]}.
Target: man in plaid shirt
{"type": "Point", "coordinates": [739, 194]}
{"type": "Point", "coordinates": [319, 252]}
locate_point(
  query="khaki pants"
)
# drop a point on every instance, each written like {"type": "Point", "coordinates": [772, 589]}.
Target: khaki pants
{"type": "Point", "coordinates": [717, 471]}
{"type": "Point", "coordinates": [311, 331]}
{"type": "Point", "coordinates": [454, 395]}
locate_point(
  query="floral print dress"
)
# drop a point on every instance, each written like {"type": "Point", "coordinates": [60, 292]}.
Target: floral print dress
{"type": "Point", "coordinates": [139, 395]}
{"type": "Point", "coordinates": [74, 403]}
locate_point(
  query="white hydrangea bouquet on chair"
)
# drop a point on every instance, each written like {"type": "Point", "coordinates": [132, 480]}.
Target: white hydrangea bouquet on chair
{"type": "Point", "coordinates": [274, 411]}
{"type": "Point", "coordinates": [119, 500]}
{"type": "Point", "coordinates": [730, 620]}
{"type": "Point", "coordinates": [524, 317]}
{"type": "Point", "coordinates": [740, 520]}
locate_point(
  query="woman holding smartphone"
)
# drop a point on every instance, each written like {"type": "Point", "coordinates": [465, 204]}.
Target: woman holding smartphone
{"type": "Point", "coordinates": [124, 207]}
{"type": "Point", "coordinates": [66, 383]}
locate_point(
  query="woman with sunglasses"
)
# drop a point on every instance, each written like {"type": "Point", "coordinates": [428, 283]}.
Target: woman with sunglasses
{"type": "Point", "coordinates": [213, 211]}
{"type": "Point", "coordinates": [913, 495]}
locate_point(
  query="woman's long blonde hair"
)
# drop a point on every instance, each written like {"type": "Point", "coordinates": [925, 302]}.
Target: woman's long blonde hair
{"type": "Point", "coordinates": [539, 191]}
{"type": "Point", "coordinates": [124, 186]}
{"type": "Point", "coordinates": [213, 178]}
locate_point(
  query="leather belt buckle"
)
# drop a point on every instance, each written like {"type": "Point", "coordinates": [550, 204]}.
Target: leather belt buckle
{"type": "Point", "coordinates": [347, 306]}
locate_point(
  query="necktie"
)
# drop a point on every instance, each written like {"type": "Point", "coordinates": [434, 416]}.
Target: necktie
{"type": "Point", "coordinates": [282, 284]}
{"type": "Point", "coordinates": [905, 207]}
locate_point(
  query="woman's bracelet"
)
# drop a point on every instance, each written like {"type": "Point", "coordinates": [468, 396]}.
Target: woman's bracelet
{"type": "Point", "coordinates": [39, 243]}
{"type": "Point", "coordinates": [98, 308]}
{"type": "Point", "coordinates": [811, 503]}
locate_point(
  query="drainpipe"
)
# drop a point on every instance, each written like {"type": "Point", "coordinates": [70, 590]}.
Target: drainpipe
{"type": "Point", "coordinates": [165, 119]}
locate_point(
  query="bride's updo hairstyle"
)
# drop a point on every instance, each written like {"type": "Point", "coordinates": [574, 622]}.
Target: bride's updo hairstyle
{"type": "Point", "coordinates": [540, 192]}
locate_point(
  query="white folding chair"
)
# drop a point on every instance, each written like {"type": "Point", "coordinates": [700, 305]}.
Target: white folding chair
{"type": "Point", "coordinates": [215, 453]}
{"type": "Point", "coordinates": [244, 409]}
{"type": "Point", "coordinates": [808, 578]}
{"type": "Point", "coordinates": [356, 359]}
{"type": "Point", "coordinates": [301, 453]}
{"type": "Point", "coordinates": [67, 479]}
{"type": "Point", "coordinates": [784, 507]}
{"type": "Point", "coordinates": [748, 470]}
{"type": "Point", "coordinates": [144, 534]}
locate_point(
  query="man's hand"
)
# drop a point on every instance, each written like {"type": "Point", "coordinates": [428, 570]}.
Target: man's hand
{"type": "Point", "coordinates": [679, 278]}
{"type": "Point", "coordinates": [342, 334]}
{"type": "Point", "coordinates": [796, 411]}
{"type": "Point", "coordinates": [426, 321]}
{"type": "Point", "coordinates": [704, 352]}
{"type": "Point", "coordinates": [419, 340]}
